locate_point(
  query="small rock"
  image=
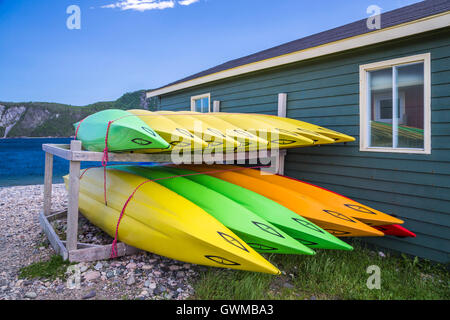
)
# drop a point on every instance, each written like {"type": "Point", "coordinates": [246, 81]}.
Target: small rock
{"type": "Point", "coordinates": [174, 268]}
{"type": "Point", "coordinates": [313, 298]}
{"type": "Point", "coordinates": [160, 289]}
{"type": "Point", "coordinates": [91, 275]}
{"type": "Point", "coordinates": [109, 274]}
{"type": "Point", "coordinates": [91, 294]}
{"type": "Point", "coordinates": [98, 266]}
{"type": "Point", "coordinates": [131, 280]}
{"type": "Point", "coordinates": [31, 295]}
{"type": "Point", "coordinates": [288, 285]}
{"type": "Point", "coordinates": [146, 267]}
{"type": "Point", "coordinates": [180, 274]}
{"type": "Point", "coordinates": [83, 268]}
{"type": "Point", "coordinates": [144, 293]}
{"type": "Point", "coordinates": [150, 284]}
{"type": "Point", "coordinates": [157, 273]}
{"type": "Point", "coordinates": [131, 265]}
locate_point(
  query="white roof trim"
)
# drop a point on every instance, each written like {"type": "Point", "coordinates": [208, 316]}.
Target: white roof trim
{"type": "Point", "coordinates": [410, 28]}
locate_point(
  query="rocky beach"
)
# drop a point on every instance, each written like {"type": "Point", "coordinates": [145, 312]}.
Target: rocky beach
{"type": "Point", "coordinates": [22, 243]}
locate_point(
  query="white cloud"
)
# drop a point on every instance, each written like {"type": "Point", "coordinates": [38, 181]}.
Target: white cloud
{"type": "Point", "coordinates": [187, 2]}
{"type": "Point", "coordinates": [143, 5]}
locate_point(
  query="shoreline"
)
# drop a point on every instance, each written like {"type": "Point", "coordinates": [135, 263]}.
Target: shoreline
{"type": "Point", "coordinates": [29, 185]}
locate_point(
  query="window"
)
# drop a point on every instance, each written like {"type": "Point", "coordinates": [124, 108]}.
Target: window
{"type": "Point", "coordinates": [201, 103]}
{"type": "Point", "coordinates": [395, 105]}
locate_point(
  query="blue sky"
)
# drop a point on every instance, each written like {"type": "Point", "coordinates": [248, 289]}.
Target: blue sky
{"type": "Point", "coordinates": [127, 45]}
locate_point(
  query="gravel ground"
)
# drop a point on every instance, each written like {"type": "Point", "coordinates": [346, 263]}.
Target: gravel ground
{"type": "Point", "coordinates": [140, 276]}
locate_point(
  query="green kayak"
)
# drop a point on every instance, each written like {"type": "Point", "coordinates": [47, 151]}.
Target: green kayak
{"type": "Point", "coordinates": [255, 231]}
{"type": "Point", "coordinates": [126, 132]}
{"type": "Point", "coordinates": [290, 222]}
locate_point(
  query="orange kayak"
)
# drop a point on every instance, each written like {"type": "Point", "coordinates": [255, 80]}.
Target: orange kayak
{"type": "Point", "coordinates": [325, 216]}
{"type": "Point", "coordinates": [329, 199]}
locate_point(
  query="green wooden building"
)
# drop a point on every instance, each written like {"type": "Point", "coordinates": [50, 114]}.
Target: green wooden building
{"type": "Point", "coordinates": [386, 85]}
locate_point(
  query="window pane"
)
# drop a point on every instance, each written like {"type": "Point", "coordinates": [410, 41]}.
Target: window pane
{"type": "Point", "coordinates": [198, 105]}
{"type": "Point", "coordinates": [411, 114]}
{"type": "Point", "coordinates": [380, 108]}
{"type": "Point", "coordinates": [205, 102]}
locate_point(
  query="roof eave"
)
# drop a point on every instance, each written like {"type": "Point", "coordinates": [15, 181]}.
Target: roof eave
{"type": "Point", "coordinates": [422, 25]}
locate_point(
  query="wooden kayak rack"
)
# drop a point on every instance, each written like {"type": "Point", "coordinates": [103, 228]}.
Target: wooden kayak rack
{"type": "Point", "coordinates": [71, 249]}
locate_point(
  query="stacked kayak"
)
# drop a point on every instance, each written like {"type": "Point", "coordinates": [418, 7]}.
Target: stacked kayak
{"type": "Point", "coordinates": [335, 213]}
{"type": "Point", "coordinates": [124, 132]}
{"type": "Point", "coordinates": [244, 211]}
{"type": "Point", "coordinates": [216, 215]}
{"type": "Point", "coordinates": [160, 221]}
{"type": "Point", "coordinates": [187, 131]}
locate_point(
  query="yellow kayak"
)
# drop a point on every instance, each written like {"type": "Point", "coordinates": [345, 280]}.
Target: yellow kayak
{"type": "Point", "coordinates": [247, 140]}
{"type": "Point", "coordinates": [281, 139]}
{"type": "Point", "coordinates": [160, 221]}
{"type": "Point", "coordinates": [177, 136]}
{"type": "Point", "coordinates": [217, 140]}
{"type": "Point", "coordinates": [284, 126]}
{"type": "Point", "coordinates": [302, 126]}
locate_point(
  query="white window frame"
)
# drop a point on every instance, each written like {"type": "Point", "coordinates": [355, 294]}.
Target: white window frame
{"type": "Point", "coordinates": [201, 96]}
{"type": "Point", "coordinates": [364, 103]}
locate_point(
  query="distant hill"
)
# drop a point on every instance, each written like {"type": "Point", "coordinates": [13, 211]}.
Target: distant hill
{"type": "Point", "coordinates": [44, 119]}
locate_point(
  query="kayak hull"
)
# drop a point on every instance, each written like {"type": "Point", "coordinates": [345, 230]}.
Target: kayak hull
{"type": "Point", "coordinates": [294, 225]}
{"type": "Point", "coordinates": [254, 230]}
{"type": "Point", "coordinates": [117, 130]}
{"type": "Point", "coordinates": [325, 217]}
{"type": "Point", "coordinates": [159, 221]}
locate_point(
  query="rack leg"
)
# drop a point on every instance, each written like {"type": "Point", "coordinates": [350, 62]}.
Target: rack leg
{"type": "Point", "coordinates": [280, 165]}
{"type": "Point", "coordinates": [282, 109]}
{"type": "Point", "coordinates": [74, 188]}
{"type": "Point", "coordinates": [48, 183]}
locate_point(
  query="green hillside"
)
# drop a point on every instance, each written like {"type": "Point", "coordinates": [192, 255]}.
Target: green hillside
{"type": "Point", "coordinates": [42, 119]}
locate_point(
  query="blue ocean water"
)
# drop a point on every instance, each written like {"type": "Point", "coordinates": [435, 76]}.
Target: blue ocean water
{"type": "Point", "coordinates": [22, 161]}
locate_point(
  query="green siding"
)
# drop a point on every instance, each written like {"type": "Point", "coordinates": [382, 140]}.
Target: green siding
{"type": "Point", "coordinates": [325, 91]}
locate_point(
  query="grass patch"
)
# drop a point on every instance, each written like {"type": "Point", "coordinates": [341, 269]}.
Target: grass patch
{"type": "Point", "coordinates": [330, 274]}
{"type": "Point", "coordinates": [51, 269]}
